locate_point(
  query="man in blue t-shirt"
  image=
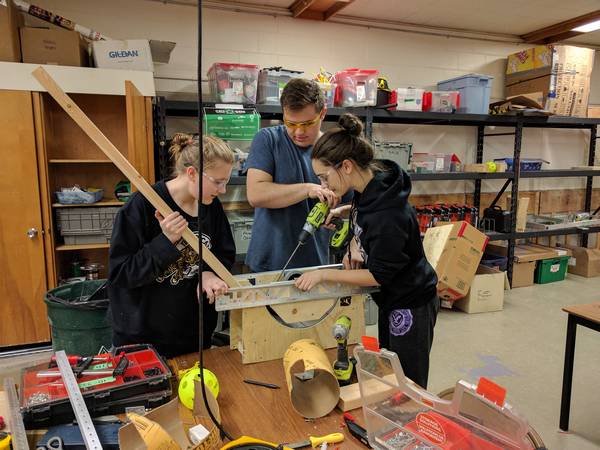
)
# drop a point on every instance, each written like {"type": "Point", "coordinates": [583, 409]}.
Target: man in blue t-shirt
{"type": "Point", "coordinates": [282, 186]}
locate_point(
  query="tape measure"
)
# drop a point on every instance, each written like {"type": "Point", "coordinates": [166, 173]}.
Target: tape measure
{"type": "Point", "coordinates": [86, 426]}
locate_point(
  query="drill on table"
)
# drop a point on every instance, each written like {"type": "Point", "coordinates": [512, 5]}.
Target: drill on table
{"type": "Point", "coordinates": [343, 366]}
{"type": "Point", "coordinates": [316, 217]}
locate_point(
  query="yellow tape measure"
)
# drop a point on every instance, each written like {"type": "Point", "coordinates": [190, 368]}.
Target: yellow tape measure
{"type": "Point", "coordinates": [249, 443]}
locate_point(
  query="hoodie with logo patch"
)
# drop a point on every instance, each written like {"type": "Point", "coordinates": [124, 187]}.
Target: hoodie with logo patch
{"type": "Point", "coordinates": [153, 282]}
{"type": "Point", "coordinates": [387, 234]}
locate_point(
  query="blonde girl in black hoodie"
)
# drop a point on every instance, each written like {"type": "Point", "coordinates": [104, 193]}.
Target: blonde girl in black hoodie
{"type": "Point", "coordinates": [386, 248]}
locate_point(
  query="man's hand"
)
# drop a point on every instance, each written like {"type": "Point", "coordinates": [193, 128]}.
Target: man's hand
{"type": "Point", "coordinates": [213, 286]}
{"type": "Point", "coordinates": [309, 280]}
{"type": "Point", "coordinates": [172, 226]}
{"type": "Point", "coordinates": [317, 191]}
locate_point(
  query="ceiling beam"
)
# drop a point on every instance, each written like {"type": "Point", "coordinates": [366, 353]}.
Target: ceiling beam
{"type": "Point", "coordinates": [299, 6]}
{"type": "Point", "coordinates": [561, 30]}
{"type": "Point", "coordinates": [335, 8]}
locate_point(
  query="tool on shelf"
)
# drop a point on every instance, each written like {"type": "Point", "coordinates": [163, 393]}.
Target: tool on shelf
{"type": "Point", "coordinates": [316, 441]}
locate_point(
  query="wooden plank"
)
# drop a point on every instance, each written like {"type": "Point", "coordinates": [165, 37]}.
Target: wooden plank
{"type": "Point", "coordinates": [67, 248]}
{"type": "Point", "coordinates": [567, 200]}
{"type": "Point", "coordinates": [22, 260]}
{"type": "Point", "coordinates": [127, 169]}
{"type": "Point", "coordinates": [335, 8]}
{"type": "Point", "coordinates": [561, 30]}
{"type": "Point", "coordinates": [430, 199]}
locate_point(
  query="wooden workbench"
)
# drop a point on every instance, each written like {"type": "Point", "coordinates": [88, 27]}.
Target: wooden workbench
{"type": "Point", "coordinates": [261, 412]}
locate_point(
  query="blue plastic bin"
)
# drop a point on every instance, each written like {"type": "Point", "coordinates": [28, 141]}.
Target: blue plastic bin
{"type": "Point", "coordinates": [475, 91]}
{"type": "Point", "coordinates": [527, 164]}
{"type": "Point", "coordinates": [497, 262]}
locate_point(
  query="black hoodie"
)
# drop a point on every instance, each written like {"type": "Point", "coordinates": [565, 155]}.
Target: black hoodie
{"type": "Point", "coordinates": [152, 282]}
{"type": "Point", "coordinates": [387, 233]}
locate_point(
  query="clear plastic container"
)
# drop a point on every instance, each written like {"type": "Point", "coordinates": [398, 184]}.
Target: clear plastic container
{"type": "Point", "coordinates": [329, 93]}
{"type": "Point", "coordinates": [431, 162]}
{"type": "Point", "coordinates": [233, 83]}
{"type": "Point", "coordinates": [441, 101]}
{"type": "Point", "coordinates": [401, 415]}
{"type": "Point", "coordinates": [271, 82]}
{"type": "Point", "coordinates": [409, 99]}
{"type": "Point", "coordinates": [356, 87]}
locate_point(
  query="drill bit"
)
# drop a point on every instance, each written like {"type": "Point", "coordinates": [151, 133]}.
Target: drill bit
{"type": "Point", "coordinates": [280, 276]}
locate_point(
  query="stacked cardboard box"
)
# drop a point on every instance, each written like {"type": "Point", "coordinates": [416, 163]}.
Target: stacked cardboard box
{"type": "Point", "coordinates": [10, 20]}
{"type": "Point", "coordinates": [486, 293]}
{"type": "Point", "coordinates": [454, 250]}
{"type": "Point", "coordinates": [558, 77]}
{"type": "Point", "coordinates": [54, 46]}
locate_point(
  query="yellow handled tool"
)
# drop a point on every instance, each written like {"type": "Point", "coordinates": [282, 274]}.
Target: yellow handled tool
{"type": "Point", "coordinates": [314, 442]}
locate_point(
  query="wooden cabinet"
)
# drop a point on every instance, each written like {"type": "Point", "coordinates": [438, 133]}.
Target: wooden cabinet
{"type": "Point", "coordinates": [43, 150]}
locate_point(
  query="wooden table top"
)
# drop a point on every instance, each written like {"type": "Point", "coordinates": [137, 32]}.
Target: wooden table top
{"type": "Point", "coordinates": [264, 413]}
{"type": "Point", "coordinates": [590, 311]}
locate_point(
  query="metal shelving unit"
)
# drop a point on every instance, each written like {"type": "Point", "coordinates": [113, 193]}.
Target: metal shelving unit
{"type": "Point", "coordinates": [518, 123]}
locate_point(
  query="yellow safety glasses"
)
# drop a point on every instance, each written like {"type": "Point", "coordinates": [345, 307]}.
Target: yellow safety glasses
{"type": "Point", "coordinates": [303, 125]}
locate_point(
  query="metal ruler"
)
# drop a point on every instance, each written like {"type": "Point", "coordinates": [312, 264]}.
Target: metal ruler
{"type": "Point", "coordinates": [17, 429]}
{"type": "Point", "coordinates": [84, 421]}
{"type": "Point", "coordinates": [283, 292]}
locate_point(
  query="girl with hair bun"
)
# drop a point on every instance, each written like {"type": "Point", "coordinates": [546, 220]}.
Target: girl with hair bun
{"type": "Point", "coordinates": [153, 272]}
{"type": "Point", "coordinates": [386, 248]}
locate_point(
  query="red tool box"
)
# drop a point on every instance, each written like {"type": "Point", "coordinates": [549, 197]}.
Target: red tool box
{"type": "Point", "coordinates": [134, 375]}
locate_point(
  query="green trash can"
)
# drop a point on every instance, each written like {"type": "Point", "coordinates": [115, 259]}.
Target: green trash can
{"type": "Point", "coordinates": [77, 314]}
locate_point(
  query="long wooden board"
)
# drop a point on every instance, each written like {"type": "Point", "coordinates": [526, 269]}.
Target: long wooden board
{"type": "Point", "coordinates": [127, 169]}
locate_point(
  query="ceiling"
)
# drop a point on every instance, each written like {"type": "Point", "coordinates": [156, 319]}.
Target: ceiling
{"type": "Point", "coordinates": [506, 17]}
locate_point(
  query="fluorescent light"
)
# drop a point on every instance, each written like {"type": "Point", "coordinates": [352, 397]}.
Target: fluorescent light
{"type": "Point", "coordinates": [592, 26]}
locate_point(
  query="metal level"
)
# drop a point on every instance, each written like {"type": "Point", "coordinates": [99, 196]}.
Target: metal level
{"type": "Point", "coordinates": [86, 426]}
{"type": "Point", "coordinates": [19, 438]}
{"type": "Point", "coordinates": [283, 292]}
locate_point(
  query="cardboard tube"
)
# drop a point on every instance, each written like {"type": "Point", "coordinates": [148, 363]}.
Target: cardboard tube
{"type": "Point", "coordinates": [312, 385]}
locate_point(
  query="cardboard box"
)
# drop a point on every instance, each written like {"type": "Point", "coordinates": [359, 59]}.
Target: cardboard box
{"type": "Point", "coordinates": [52, 46]}
{"type": "Point", "coordinates": [594, 111]}
{"type": "Point", "coordinates": [479, 168]}
{"type": "Point", "coordinates": [523, 273]}
{"type": "Point", "coordinates": [585, 262]}
{"type": "Point", "coordinates": [10, 21]}
{"type": "Point", "coordinates": [454, 250]}
{"type": "Point", "coordinates": [128, 55]}
{"type": "Point", "coordinates": [560, 73]}
{"type": "Point", "coordinates": [486, 293]}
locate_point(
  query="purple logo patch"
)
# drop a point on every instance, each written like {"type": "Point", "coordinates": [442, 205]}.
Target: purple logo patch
{"type": "Point", "coordinates": [401, 321]}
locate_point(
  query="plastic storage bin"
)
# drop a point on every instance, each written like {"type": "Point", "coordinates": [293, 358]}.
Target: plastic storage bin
{"type": "Point", "coordinates": [86, 225]}
{"type": "Point", "coordinates": [497, 262]}
{"type": "Point", "coordinates": [145, 382]}
{"type": "Point", "coordinates": [409, 99]}
{"type": "Point", "coordinates": [79, 197]}
{"type": "Point", "coordinates": [527, 165]}
{"type": "Point", "coordinates": [241, 228]}
{"type": "Point", "coordinates": [329, 93]}
{"type": "Point", "coordinates": [233, 83]}
{"type": "Point", "coordinates": [474, 89]}
{"type": "Point", "coordinates": [551, 270]}
{"type": "Point", "coordinates": [356, 87]}
{"type": "Point", "coordinates": [441, 101]}
{"type": "Point", "coordinates": [271, 82]}
{"type": "Point", "coordinates": [431, 162]}
{"type": "Point", "coordinates": [399, 152]}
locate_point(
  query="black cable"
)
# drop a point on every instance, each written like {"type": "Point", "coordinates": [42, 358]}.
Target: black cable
{"type": "Point", "coordinates": [224, 433]}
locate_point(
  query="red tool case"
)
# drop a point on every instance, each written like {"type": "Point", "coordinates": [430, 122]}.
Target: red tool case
{"type": "Point", "coordinates": [145, 382]}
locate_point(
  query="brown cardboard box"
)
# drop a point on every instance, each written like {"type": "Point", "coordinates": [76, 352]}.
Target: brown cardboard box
{"type": "Point", "coordinates": [594, 111]}
{"type": "Point", "coordinates": [561, 73]}
{"type": "Point", "coordinates": [523, 274]}
{"type": "Point", "coordinates": [486, 293]}
{"type": "Point", "coordinates": [526, 257]}
{"type": "Point", "coordinates": [51, 46]}
{"type": "Point", "coordinates": [454, 250]}
{"type": "Point", "coordinates": [480, 168]}
{"type": "Point", "coordinates": [585, 262]}
{"type": "Point", "coordinates": [10, 20]}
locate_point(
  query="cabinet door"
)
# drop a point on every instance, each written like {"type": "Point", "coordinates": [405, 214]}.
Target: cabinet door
{"type": "Point", "coordinates": [140, 146]}
{"type": "Point", "coordinates": [22, 265]}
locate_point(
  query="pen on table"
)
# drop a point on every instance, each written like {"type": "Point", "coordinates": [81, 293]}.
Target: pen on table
{"type": "Point", "coordinates": [261, 383]}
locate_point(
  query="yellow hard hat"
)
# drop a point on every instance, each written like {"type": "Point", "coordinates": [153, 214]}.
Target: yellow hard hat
{"type": "Point", "coordinates": [186, 384]}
